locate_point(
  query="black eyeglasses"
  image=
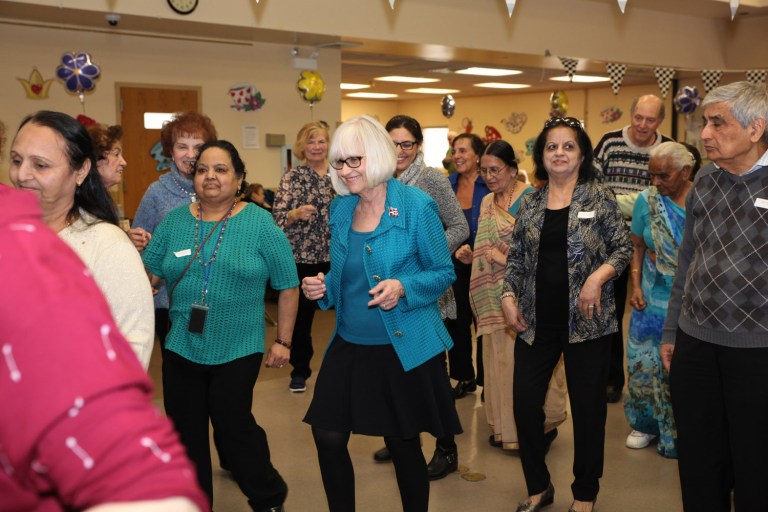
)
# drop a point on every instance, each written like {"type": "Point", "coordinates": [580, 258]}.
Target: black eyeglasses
{"type": "Point", "coordinates": [570, 122]}
{"type": "Point", "coordinates": [353, 162]}
{"type": "Point", "coordinates": [491, 171]}
{"type": "Point", "coordinates": [406, 144]}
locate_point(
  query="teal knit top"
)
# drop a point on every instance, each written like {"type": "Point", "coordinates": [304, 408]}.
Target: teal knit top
{"type": "Point", "coordinates": [252, 251]}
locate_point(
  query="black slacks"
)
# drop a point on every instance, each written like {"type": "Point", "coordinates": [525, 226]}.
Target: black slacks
{"type": "Point", "coordinates": [720, 402]}
{"type": "Point", "coordinates": [586, 368]}
{"type": "Point", "coordinates": [460, 329]}
{"type": "Point", "coordinates": [302, 350]}
{"type": "Point", "coordinates": [194, 393]}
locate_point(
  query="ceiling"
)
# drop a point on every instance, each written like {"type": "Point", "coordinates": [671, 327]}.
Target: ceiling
{"type": "Point", "coordinates": [364, 60]}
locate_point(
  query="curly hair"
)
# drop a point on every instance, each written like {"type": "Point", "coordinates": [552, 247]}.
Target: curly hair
{"type": "Point", "coordinates": [104, 138]}
{"type": "Point", "coordinates": [186, 123]}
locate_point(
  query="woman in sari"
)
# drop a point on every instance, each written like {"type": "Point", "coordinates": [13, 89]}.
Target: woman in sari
{"type": "Point", "coordinates": [498, 210]}
{"type": "Point", "coordinates": [657, 230]}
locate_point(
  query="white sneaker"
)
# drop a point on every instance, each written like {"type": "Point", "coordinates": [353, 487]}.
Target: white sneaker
{"type": "Point", "coordinates": [637, 440]}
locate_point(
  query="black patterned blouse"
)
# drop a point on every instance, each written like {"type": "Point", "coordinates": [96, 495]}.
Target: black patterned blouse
{"type": "Point", "coordinates": [310, 239]}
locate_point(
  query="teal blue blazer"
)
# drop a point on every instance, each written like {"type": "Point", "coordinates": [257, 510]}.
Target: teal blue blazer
{"type": "Point", "coordinates": [408, 245]}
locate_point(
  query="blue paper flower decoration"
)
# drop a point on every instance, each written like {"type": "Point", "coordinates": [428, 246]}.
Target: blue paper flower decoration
{"type": "Point", "coordinates": [78, 72]}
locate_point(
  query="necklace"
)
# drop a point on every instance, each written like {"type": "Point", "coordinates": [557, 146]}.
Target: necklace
{"type": "Point", "coordinates": [198, 235]}
{"type": "Point", "coordinates": [191, 195]}
{"type": "Point", "coordinates": [509, 199]}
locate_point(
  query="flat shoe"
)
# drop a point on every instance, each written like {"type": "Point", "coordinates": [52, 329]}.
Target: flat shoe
{"type": "Point", "coordinates": [462, 388]}
{"type": "Point", "coordinates": [547, 498]}
{"type": "Point", "coordinates": [382, 455]}
{"type": "Point", "coordinates": [571, 509]}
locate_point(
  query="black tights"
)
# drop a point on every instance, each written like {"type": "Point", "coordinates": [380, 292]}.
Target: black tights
{"type": "Point", "coordinates": [339, 475]}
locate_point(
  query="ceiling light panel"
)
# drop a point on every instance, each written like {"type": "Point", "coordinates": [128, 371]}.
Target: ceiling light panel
{"type": "Point", "coordinates": [407, 79]}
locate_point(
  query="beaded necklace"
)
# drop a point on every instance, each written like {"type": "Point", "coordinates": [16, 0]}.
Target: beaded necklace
{"type": "Point", "coordinates": [198, 234]}
{"type": "Point", "coordinates": [511, 195]}
{"type": "Point", "coordinates": [191, 195]}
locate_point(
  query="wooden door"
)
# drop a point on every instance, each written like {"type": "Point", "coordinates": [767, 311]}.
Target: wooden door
{"type": "Point", "coordinates": [138, 141]}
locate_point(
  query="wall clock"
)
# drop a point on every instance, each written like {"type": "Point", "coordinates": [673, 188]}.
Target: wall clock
{"type": "Point", "coordinates": [183, 6]}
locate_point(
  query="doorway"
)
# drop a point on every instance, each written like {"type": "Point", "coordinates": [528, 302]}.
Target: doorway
{"type": "Point", "coordinates": [134, 102]}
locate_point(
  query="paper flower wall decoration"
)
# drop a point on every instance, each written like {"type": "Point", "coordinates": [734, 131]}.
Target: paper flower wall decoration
{"type": "Point", "coordinates": [78, 72]}
{"type": "Point", "coordinates": [36, 87]}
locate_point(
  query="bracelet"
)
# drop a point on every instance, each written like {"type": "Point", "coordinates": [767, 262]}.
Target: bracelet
{"type": "Point", "coordinates": [635, 270]}
{"type": "Point", "coordinates": [507, 294]}
{"type": "Point", "coordinates": [286, 344]}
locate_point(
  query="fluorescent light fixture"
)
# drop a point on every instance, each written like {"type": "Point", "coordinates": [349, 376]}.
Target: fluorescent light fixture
{"type": "Point", "coordinates": [407, 79]}
{"type": "Point", "coordinates": [498, 85]}
{"type": "Point", "coordinates": [488, 72]}
{"type": "Point", "coordinates": [371, 95]}
{"type": "Point", "coordinates": [353, 87]}
{"type": "Point", "coordinates": [429, 90]}
{"type": "Point", "coordinates": [581, 79]}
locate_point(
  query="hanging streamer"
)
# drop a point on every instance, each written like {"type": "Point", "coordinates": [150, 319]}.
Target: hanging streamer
{"type": "Point", "coordinates": [711, 78]}
{"type": "Point", "coordinates": [616, 72]}
{"type": "Point", "coordinates": [569, 65]}
{"type": "Point", "coordinates": [664, 77]}
{"type": "Point", "coordinates": [756, 76]}
{"type": "Point", "coordinates": [622, 5]}
{"type": "Point", "coordinates": [734, 8]}
{"type": "Point", "coordinates": [392, 4]}
{"type": "Point", "coordinates": [510, 6]}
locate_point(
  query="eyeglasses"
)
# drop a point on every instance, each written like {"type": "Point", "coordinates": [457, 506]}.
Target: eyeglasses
{"type": "Point", "coordinates": [353, 162]}
{"type": "Point", "coordinates": [570, 122]}
{"type": "Point", "coordinates": [491, 171]}
{"type": "Point", "coordinates": [407, 145]}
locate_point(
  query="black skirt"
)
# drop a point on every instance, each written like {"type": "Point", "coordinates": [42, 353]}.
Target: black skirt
{"type": "Point", "coordinates": [363, 389]}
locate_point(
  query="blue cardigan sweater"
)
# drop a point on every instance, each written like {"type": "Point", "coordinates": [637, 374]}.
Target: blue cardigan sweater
{"type": "Point", "coordinates": [408, 245]}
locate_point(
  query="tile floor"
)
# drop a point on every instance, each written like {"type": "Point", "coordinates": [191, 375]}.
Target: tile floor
{"type": "Point", "coordinates": [633, 481]}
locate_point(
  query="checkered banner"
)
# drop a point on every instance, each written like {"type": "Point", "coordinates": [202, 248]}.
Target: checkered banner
{"type": "Point", "coordinates": [510, 6]}
{"type": "Point", "coordinates": [622, 5]}
{"type": "Point", "coordinates": [392, 3]}
{"type": "Point", "coordinates": [664, 77]}
{"type": "Point", "coordinates": [756, 76]}
{"type": "Point", "coordinates": [734, 7]}
{"type": "Point", "coordinates": [711, 78]}
{"type": "Point", "coordinates": [569, 65]}
{"type": "Point", "coordinates": [616, 72]}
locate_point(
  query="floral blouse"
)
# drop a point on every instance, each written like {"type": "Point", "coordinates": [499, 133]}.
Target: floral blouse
{"type": "Point", "coordinates": [309, 239]}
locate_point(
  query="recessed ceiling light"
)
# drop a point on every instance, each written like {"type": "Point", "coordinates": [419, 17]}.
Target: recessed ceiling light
{"type": "Point", "coordinates": [353, 87]}
{"type": "Point", "coordinates": [498, 85]}
{"type": "Point", "coordinates": [488, 72]}
{"type": "Point", "coordinates": [429, 90]}
{"type": "Point", "coordinates": [371, 95]}
{"type": "Point", "coordinates": [407, 79]}
{"type": "Point", "coordinates": [582, 79]}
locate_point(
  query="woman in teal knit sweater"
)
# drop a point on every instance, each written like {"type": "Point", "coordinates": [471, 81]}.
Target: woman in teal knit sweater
{"type": "Point", "coordinates": [381, 375]}
{"type": "Point", "coordinates": [216, 256]}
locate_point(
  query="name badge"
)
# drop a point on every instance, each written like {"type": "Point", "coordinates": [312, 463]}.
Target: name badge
{"type": "Point", "coordinates": [181, 254]}
{"type": "Point", "coordinates": [761, 203]}
{"type": "Point", "coordinates": [587, 215]}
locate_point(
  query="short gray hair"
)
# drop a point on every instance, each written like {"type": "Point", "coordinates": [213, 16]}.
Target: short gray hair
{"type": "Point", "coordinates": [676, 152]}
{"type": "Point", "coordinates": [748, 102]}
{"type": "Point", "coordinates": [363, 136]}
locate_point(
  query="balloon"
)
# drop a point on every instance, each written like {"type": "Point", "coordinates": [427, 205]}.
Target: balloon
{"type": "Point", "coordinates": [558, 102]}
{"type": "Point", "coordinates": [311, 86]}
{"type": "Point", "coordinates": [78, 72]}
{"type": "Point", "coordinates": [448, 105]}
{"type": "Point", "coordinates": [687, 100]}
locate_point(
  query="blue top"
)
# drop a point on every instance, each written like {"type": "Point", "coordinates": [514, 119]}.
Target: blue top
{"type": "Point", "coordinates": [641, 224]}
{"type": "Point", "coordinates": [481, 190]}
{"type": "Point", "coordinates": [361, 324]}
{"type": "Point", "coordinates": [408, 245]}
{"type": "Point", "coordinates": [252, 251]}
{"type": "Point", "coordinates": [170, 191]}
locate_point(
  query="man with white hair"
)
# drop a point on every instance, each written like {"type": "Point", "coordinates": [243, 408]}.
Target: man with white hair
{"type": "Point", "coordinates": [715, 339]}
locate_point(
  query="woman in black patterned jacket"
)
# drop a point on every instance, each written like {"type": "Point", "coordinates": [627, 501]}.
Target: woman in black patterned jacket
{"type": "Point", "coordinates": [569, 243]}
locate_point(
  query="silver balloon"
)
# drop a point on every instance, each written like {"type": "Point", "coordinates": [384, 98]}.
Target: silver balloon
{"type": "Point", "coordinates": [448, 105]}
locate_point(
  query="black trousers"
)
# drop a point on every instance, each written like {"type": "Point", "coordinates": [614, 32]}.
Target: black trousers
{"type": "Point", "coordinates": [616, 376]}
{"type": "Point", "coordinates": [302, 351]}
{"type": "Point", "coordinates": [586, 368]}
{"type": "Point", "coordinates": [720, 402]}
{"type": "Point", "coordinates": [194, 393]}
{"type": "Point", "coordinates": [460, 356]}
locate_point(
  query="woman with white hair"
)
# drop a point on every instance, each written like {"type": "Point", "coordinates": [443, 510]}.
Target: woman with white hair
{"type": "Point", "coordinates": [381, 375]}
{"type": "Point", "coordinates": [658, 220]}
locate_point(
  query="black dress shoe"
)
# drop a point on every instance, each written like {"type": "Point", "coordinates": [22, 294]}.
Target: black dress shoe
{"type": "Point", "coordinates": [547, 499]}
{"type": "Point", "coordinates": [612, 394]}
{"type": "Point", "coordinates": [548, 438]}
{"type": "Point", "coordinates": [382, 455]}
{"type": "Point", "coordinates": [443, 462]}
{"type": "Point", "coordinates": [493, 442]}
{"type": "Point", "coordinates": [464, 387]}
{"type": "Point", "coordinates": [278, 508]}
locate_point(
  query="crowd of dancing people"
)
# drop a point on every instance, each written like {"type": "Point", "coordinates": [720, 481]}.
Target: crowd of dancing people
{"type": "Point", "coordinates": [471, 275]}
